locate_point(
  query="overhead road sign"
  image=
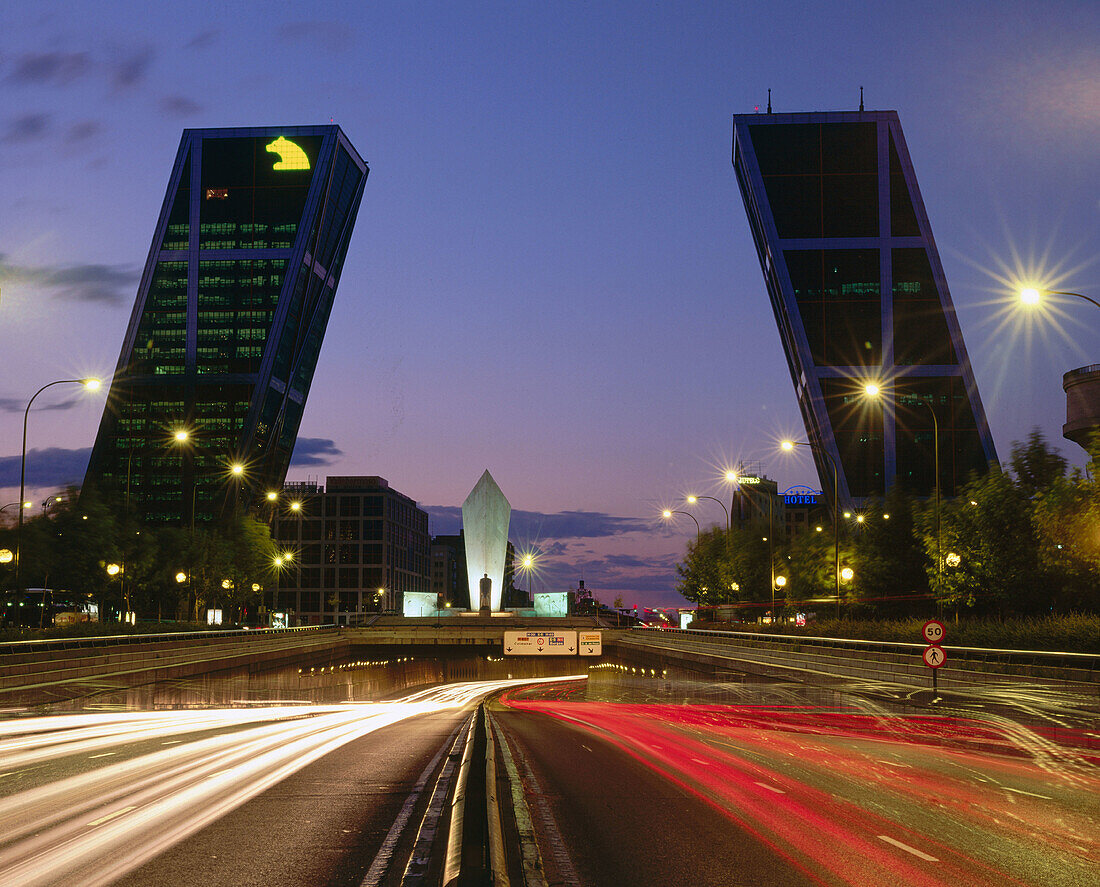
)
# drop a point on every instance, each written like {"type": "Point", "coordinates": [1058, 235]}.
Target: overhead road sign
{"type": "Point", "coordinates": [590, 643]}
{"type": "Point", "coordinates": [540, 643]}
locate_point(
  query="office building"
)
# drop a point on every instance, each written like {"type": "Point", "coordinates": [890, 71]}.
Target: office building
{"type": "Point", "coordinates": [860, 297]}
{"type": "Point", "coordinates": [354, 546]}
{"type": "Point", "coordinates": [229, 317]}
{"type": "Point", "coordinates": [448, 571]}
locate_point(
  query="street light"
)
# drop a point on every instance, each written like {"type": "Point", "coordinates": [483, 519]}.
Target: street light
{"type": "Point", "coordinates": [872, 390]}
{"type": "Point", "coordinates": [667, 515]}
{"type": "Point", "coordinates": [89, 385]}
{"type": "Point", "coordinates": [692, 500]}
{"type": "Point", "coordinates": [13, 504]}
{"type": "Point", "coordinates": [1032, 296]}
{"type": "Point", "coordinates": [279, 561]}
{"type": "Point", "coordinates": [114, 570]}
{"type": "Point", "coordinates": [788, 446]}
{"type": "Point", "coordinates": [528, 565]}
{"type": "Point", "coordinates": [779, 582]}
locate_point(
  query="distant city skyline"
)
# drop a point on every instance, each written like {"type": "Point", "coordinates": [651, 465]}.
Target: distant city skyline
{"type": "Point", "coordinates": [551, 276]}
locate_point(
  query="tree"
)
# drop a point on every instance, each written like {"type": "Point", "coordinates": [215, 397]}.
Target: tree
{"type": "Point", "coordinates": [721, 569]}
{"type": "Point", "coordinates": [226, 559]}
{"type": "Point", "coordinates": [810, 567]}
{"type": "Point", "coordinates": [704, 572]}
{"type": "Point", "coordinates": [889, 561]}
{"type": "Point", "coordinates": [989, 547]}
{"type": "Point", "coordinates": [1066, 517]}
{"type": "Point", "coordinates": [1036, 464]}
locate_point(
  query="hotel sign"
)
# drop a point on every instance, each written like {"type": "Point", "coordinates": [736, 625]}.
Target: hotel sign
{"type": "Point", "coordinates": [799, 495]}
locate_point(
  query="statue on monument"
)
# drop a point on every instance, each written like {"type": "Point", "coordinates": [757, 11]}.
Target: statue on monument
{"type": "Point", "coordinates": [486, 589]}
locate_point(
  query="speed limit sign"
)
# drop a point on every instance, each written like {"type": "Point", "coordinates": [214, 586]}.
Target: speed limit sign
{"type": "Point", "coordinates": [933, 632]}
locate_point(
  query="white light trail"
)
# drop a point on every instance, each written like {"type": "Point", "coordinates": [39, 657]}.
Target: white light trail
{"type": "Point", "coordinates": [98, 825]}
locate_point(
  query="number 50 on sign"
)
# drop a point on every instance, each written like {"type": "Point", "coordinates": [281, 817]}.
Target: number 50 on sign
{"type": "Point", "coordinates": [933, 632]}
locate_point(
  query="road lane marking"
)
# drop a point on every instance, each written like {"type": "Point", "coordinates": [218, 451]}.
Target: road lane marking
{"type": "Point", "coordinates": [106, 754]}
{"type": "Point", "coordinates": [111, 816]}
{"type": "Point", "coordinates": [907, 848]}
{"type": "Point", "coordinates": [771, 788]}
{"type": "Point", "coordinates": [172, 742]}
{"type": "Point", "coordinates": [700, 761]}
{"type": "Point", "coordinates": [1020, 791]}
{"type": "Point", "coordinates": [16, 772]}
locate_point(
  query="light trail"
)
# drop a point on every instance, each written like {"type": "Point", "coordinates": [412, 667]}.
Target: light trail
{"type": "Point", "coordinates": [93, 827]}
{"type": "Point", "coordinates": [812, 785]}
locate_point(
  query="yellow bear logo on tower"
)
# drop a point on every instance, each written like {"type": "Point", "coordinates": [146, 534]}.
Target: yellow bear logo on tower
{"type": "Point", "coordinates": [290, 155]}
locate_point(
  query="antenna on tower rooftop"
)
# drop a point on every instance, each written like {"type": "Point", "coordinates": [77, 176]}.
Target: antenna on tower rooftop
{"type": "Point", "coordinates": [769, 101]}
{"type": "Point", "coordinates": [861, 98]}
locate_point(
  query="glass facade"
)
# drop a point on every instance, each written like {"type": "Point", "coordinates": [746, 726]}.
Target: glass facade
{"type": "Point", "coordinates": [859, 296]}
{"type": "Point", "coordinates": [229, 318]}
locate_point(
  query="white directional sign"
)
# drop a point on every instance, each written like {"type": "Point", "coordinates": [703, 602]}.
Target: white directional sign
{"type": "Point", "coordinates": [933, 631]}
{"type": "Point", "coordinates": [590, 643]}
{"type": "Point", "coordinates": [540, 643]}
{"type": "Point", "coordinates": [933, 657]}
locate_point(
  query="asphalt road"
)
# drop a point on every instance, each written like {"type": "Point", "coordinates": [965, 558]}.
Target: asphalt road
{"type": "Point", "coordinates": [631, 780]}
{"type": "Point", "coordinates": [273, 796]}
{"type": "Point", "coordinates": [603, 817]}
{"type": "Point", "coordinates": [320, 826]}
{"type": "Point", "coordinates": [727, 794]}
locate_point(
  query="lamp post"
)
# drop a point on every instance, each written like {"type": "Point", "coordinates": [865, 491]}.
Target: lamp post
{"type": "Point", "coordinates": [182, 437]}
{"type": "Point", "coordinates": [90, 385]}
{"type": "Point", "coordinates": [777, 582]}
{"type": "Point", "coordinates": [280, 562]}
{"type": "Point", "coordinates": [236, 474]}
{"type": "Point", "coordinates": [667, 515]}
{"type": "Point", "coordinates": [872, 390]}
{"type": "Point", "coordinates": [771, 521]}
{"type": "Point", "coordinates": [692, 500]}
{"type": "Point", "coordinates": [788, 446]}
{"type": "Point", "coordinates": [528, 566]}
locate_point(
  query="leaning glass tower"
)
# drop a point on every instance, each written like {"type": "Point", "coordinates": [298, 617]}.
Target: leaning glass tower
{"type": "Point", "coordinates": [229, 318]}
{"type": "Point", "coordinates": [860, 298]}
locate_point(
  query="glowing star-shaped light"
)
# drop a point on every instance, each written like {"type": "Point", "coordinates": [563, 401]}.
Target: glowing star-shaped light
{"type": "Point", "coordinates": [290, 155]}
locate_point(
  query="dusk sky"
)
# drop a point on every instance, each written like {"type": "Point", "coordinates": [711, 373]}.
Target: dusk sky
{"type": "Point", "coordinates": [551, 275]}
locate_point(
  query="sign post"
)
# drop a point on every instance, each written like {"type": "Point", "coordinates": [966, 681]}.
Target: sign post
{"type": "Point", "coordinates": [934, 657]}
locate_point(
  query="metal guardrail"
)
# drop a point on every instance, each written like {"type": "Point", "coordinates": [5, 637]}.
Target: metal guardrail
{"type": "Point", "coordinates": [1075, 660]}
{"type": "Point", "coordinates": [45, 645]}
{"type": "Point", "coordinates": [1083, 371]}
